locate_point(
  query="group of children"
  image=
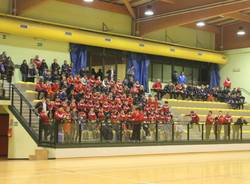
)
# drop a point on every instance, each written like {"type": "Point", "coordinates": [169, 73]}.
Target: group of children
{"type": "Point", "coordinates": [204, 92]}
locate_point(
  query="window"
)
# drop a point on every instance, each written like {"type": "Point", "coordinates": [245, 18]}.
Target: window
{"type": "Point", "coordinates": [195, 76]}
{"type": "Point", "coordinates": [157, 72]}
{"type": "Point", "coordinates": [188, 71]}
{"type": "Point", "coordinates": [167, 73]}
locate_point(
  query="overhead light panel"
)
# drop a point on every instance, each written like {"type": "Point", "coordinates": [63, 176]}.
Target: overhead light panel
{"type": "Point", "coordinates": [241, 31]}
{"type": "Point", "coordinates": [88, 1]}
{"type": "Point", "coordinates": [200, 24]}
{"type": "Point", "coordinates": [149, 11]}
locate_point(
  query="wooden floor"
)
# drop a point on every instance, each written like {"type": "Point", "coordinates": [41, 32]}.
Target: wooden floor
{"type": "Point", "coordinates": [215, 168]}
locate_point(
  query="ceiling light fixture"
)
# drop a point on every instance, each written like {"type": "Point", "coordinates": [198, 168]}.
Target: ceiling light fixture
{"type": "Point", "coordinates": [88, 1]}
{"type": "Point", "coordinates": [200, 24]}
{"type": "Point", "coordinates": [149, 11]}
{"type": "Point", "coordinates": [241, 31]}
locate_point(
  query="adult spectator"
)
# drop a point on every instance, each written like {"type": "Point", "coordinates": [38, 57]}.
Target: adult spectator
{"type": "Point", "coordinates": [131, 72]}
{"type": "Point", "coordinates": [138, 118]}
{"type": "Point", "coordinates": [175, 77]}
{"type": "Point", "coordinates": [100, 74]}
{"type": "Point", "coordinates": [32, 73]}
{"type": "Point", "coordinates": [37, 62]}
{"type": "Point", "coordinates": [43, 67]}
{"type": "Point", "coordinates": [182, 78]}
{"type": "Point", "coordinates": [195, 119]}
{"type": "Point", "coordinates": [157, 87]}
{"type": "Point", "coordinates": [227, 84]}
{"type": "Point", "coordinates": [9, 69]}
{"type": "Point", "coordinates": [65, 69]}
{"type": "Point", "coordinates": [24, 71]}
{"type": "Point", "coordinates": [55, 67]}
{"type": "Point", "coordinates": [237, 127]}
{"type": "Point", "coordinates": [220, 120]}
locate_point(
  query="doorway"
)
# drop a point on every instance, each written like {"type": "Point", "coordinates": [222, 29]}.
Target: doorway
{"type": "Point", "coordinates": [4, 126]}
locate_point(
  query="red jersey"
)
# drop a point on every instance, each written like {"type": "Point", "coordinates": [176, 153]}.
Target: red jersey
{"type": "Point", "coordinates": [157, 86]}
{"type": "Point", "coordinates": [209, 120]}
{"type": "Point", "coordinates": [59, 115]}
{"type": "Point", "coordinates": [44, 118]}
{"type": "Point", "coordinates": [227, 83]}
{"type": "Point", "coordinates": [92, 116]}
{"type": "Point", "coordinates": [228, 119]}
{"type": "Point", "coordinates": [114, 118]}
{"type": "Point", "coordinates": [221, 119]}
{"type": "Point", "coordinates": [195, 118]}
{"type": "Point", "coordinates": [122, 117]}
{"type": "Point", "coordinates": [101, 116]}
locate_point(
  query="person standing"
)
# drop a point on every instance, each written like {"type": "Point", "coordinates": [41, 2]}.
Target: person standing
{"type": "Point", "coordinates": [237, 127]}
{"type": "Point", "coordinates": [227, 125]}
{"type": "Point", "coordinates": [44, 125]}
{"type": "Point", "coordinates": [138, 118]}
{"type": "Point", "coordinates": [175, 77]}
{"type": "Point", "coordinates": [220, 121]}
{"type": "Point", "coordinates": [24, 69]}
{"type": "Point", "coordinates": [209, 124]}
{"type": "Point", "coordinates": [182, 78]}
{"type": "Point", "coordinates": [227, 84]}
{"type": "Point", "coordinates": [55, 68]}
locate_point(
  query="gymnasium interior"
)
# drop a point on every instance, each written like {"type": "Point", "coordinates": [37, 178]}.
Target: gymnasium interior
{"type": "Point", "coordinates": [124, 91]}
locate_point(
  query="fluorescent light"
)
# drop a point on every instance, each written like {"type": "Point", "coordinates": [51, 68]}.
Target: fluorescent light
{"type": "Point", "coordinates": [200, 24]}
{"type": "Point", "coordinates": [241, 31]}
{"type": "Point", "coordinates": [149, 11]}
{"type": "Point", "coordinates": [88, 1]}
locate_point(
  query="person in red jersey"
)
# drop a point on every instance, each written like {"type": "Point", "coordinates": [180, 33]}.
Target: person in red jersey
{"type": "Point", "coordinates": [116, 125]}
{"type": "Point", "coordinates": [227, 125]}
{"type": "Point", "coordinates": [220, 120]}
{"type": "Point", "coordinates": [195, 119]}
{"type": "Point", "coordinates": [227, 84]}
{"type": "Point", "coordinates": [137, 117]}
{"type": "Point", "coordinates": [165, 107]}
{"type": "Point", "coordinates": [92, 123]}
{"type": "Point", "coordinates": [157, 87]}
{"type": "Point", "coordinates": [209, 124]}
{"type": "Point", "coordinates": [67, 126]}
{"type": "Point", "coordinates": [44, 123]}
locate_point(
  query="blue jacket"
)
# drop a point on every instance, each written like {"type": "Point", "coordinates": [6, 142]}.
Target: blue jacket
{"type": "Point", "coordinates": [182, 79]}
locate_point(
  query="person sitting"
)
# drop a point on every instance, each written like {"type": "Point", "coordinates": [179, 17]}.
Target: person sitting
{"type": "Point", "coordinates": [157, 87]}
{"type": "Point", "coordinates": [182, 78]}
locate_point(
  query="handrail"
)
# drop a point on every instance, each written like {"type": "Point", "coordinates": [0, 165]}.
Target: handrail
{"type": "Point", "coordinates": [246, 91]}
{"type": "Point", "coordinates": [23, 98]}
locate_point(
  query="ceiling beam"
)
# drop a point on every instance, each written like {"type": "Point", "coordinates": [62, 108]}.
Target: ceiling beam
{"type": "Point", "coordinates": [24, 5]}
{"type": "Point", "coordinates": [130, 9]}
{"type": "Point", "coordinates": [177, 19]}
{"type": "Point", "coordinates": [101, 5]}
{"type": "Point", "coordinates": [167, 1]}
{"type": "Point", "coordinates": [239, 16]}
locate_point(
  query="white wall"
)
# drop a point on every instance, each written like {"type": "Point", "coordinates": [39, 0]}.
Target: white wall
{"type": "Point", "coordinates": [237, 69]}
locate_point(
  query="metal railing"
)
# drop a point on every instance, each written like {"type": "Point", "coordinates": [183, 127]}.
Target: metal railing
{"type": "Point", "coordinates": [5, 89]}
{"type": "Point", "coordinates": [25, 112]}
{"type": "Point", "coordinates": [106, 133]}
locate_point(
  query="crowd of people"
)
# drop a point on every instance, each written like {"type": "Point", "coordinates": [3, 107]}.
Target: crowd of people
{"type": "Point", "coordinates": [92, 105]}
{"type": "Point", "coordinates": [7, 67]}
{"type": "Point", "coordinates": [179, 89]}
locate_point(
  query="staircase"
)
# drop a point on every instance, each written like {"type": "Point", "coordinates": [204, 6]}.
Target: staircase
{"type": "Point", "coordinates": [23, 109]}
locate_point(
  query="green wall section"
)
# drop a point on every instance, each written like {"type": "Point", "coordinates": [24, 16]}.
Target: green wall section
{"type": "Point", "coordinates": [184, 36]}
{"type": "Point", "coordinates": [80, 16]}
{"type": "Point", "coordinates": [20, 48]}
{"type": "Point", "coordinates": [237, 69]}
{"type": "Point", "coordinates": [4, 6]}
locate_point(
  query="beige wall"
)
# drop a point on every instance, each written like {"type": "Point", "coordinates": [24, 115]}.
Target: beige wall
{"type": "Point", "coordinates": [20, 145]}
{"type": "Point", "coordinates": [185, 36]}
{"type": "Point", "coordinates": [237, 69]}
{"type": "Point", "coordinates": [91, 18]}
{"type": "Point", "coordinates": [20, 48]}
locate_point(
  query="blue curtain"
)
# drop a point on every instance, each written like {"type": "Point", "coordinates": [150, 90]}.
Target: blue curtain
{"type": "Point", "coordinates": [78, 55]}
{"type": "Point", "coordinates": [141, 63]}
{"type": "Point", "coordinates": [214, 76]}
